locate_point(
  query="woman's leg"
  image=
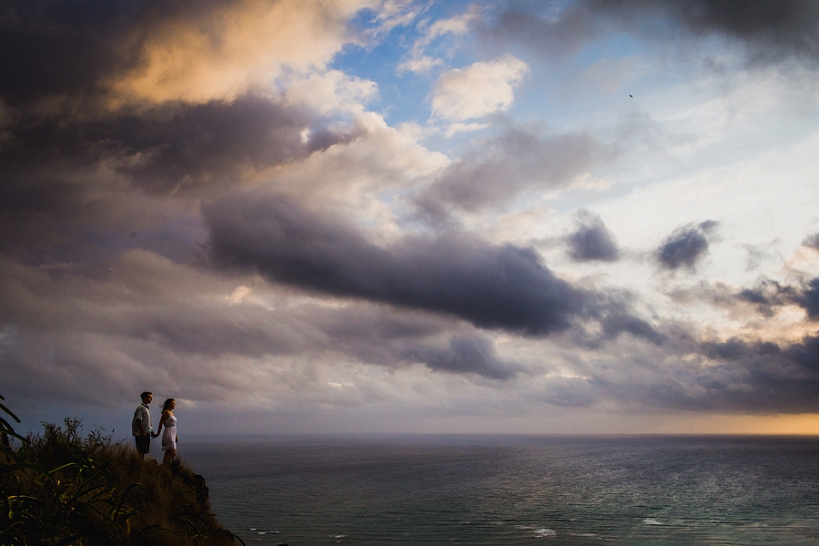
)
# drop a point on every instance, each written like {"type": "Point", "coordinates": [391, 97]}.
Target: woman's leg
{"type": "Point", "coordinates": [169, 455]}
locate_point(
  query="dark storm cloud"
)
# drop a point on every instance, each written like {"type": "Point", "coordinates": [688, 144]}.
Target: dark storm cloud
{"type": "Point", "coordinates": [150, 322]}
{"type": "Point", "coordinates": [491, 286]}
{"type": "Point", "coordinates": [58, 48]}
{"type": "Point", "coordinates": [383, 336]}
{"type": "Point", "coordinates": [613, 315]}
{"type": "Point", "coordinates": [809, 299]}
{"type": "Point", "coordinates": [541, 29]}
{"type": "Point", "coordinates": [762, 376]}
{"type": "Point", "coordinates": [503, 167]}
{"type": "Point", "coordinates": [465, 355]}
{"type": "Point", "coordinates": [812, 241]}
{"type": "Point", "coordinates": [616, 322]}
{"type": "Point", "coordinates": [771, 30]}
{"type": "Point", "coordinates": [592, 241]}
{"type": "Point", "coordinates": [40, 301]}
{"type": "Point", "coordinates": [65, 49]}
{"type": "Point", "coordinates": [215, 142]}
{"type": "Point", "coordinates": [766, 296]}
{"type": "Point", "coordinates": [686, 373]}
{"type": "Point", "coordinates": [736, 374]}
{"type": "Point", "coordinates": [74, 187]}
{"type": "Point", "coordinates": [171, 147]}
{"type": "Point", "coordinates": [685, 246]}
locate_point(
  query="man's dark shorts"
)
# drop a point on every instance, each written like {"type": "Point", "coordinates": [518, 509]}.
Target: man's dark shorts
{"type": "Point", "coordinates": [143, 444]}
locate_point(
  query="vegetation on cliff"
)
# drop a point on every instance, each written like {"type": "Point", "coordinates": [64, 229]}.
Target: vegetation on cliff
{"type": "Point", "coordinates": [61, 488]}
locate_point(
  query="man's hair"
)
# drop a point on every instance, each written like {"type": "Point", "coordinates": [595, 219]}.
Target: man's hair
{"type": "Point", "coordinates": [145, 395]}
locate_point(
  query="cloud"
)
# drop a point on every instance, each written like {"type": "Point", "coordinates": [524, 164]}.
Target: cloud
{"type": "Point", "coordinates": [150, 321]}
{"type": "Point", "coordinates": [378, 335]}
{"type": "Point", "coordinates": [389, 14]}
{"type": "Point", "coordinates": [498, 169]}
{"type": "Point", "coordinates": [135, 171]}
{"type": "Point", "coordinates": [760, 375]}
{"type": "Point", "coordinates": [217, 140]}
{"type": "Point", "coordinates": [329, 92]}
{"type": "Point", "coordinates": [592, 241]}
{"type": "Point", "coordinates": [809, 299]}
{"type": "Point", "coordinates": [479, 90]}
{"type": "Point", "coordinates": [231, 47]}
{"type": "Point", "coordinates": [610, 315]}
{"type": "Point", "coordinates": [58, 49]}
{"type": "Point", "coordinates": [767, 296]}
{"type": "Point", "coordinates": [770, 31]}
{"type": "Point", "coordinates": [371, 158]}
{"type": "Point", "coordinates": [685, 246]}
{"type": "Point", "coordinates": [758, 254]}
{"type": "Point", "coordinates": [466, 355]}
{"type": "Point", "coordinates": [113, 332]}
{"type": "Point", "coordinates": [455, 128]}
{"type": "Point", "coordinates": [542, 28]}
{"type": "Point", "coordinates": [490, 286]}
{"type": "Point", "coordinates": [422, 64]}
{"type": "Point", "coordinates": [118, 53]}
{"type": "Point", "coordinates": [191, 197]}
{"type": "Point", "coordinates": [692, 373]}
{"type": "Point", "coordinates": [457, 25]}
{"type": "Point", "coordinates": [812, 241]}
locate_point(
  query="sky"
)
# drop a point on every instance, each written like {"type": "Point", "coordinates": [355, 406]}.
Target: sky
{"type": "Point", "coordinates": [412, 216]}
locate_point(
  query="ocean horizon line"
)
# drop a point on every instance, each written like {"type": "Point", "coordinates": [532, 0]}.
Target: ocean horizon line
{"type": "Point", "coordinates": [454, 437]}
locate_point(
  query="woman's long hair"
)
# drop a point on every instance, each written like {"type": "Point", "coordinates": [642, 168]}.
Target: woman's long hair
{"type": "Point", "coordinates": [166, 405]}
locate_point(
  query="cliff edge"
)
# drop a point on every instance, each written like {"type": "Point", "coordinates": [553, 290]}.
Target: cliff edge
{"type": "Point", "coordinates": [60, 487]}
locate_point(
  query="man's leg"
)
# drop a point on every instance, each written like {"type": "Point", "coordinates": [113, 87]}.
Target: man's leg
{"type": "Point", "coordinates": [143, 444]}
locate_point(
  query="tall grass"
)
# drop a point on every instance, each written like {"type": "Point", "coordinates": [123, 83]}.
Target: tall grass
{"type": "Point", "coordinates": [60, 487]}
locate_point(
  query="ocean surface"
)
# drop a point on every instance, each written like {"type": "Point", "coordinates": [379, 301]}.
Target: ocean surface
{"type": "Point", "coordinates": [514, 490]}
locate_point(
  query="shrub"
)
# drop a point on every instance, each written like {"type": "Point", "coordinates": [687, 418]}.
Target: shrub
{"type": "Point", "coordinates": [61, 488]}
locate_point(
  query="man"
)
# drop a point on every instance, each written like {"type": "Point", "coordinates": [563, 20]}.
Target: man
{"type": "Point", "coordinates": [141, 425]}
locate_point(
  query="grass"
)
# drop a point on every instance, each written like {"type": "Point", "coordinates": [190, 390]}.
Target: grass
{"type": "Point", "coordinates": [62, 488]}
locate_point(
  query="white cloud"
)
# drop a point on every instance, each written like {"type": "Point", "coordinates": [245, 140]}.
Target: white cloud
{"type": "Point", "coordinates": [419, 65]}
{"type": "Point", "coordinates": [391, 14]}
{"type": "Point", "coordinates": [379, 160]}
{"type": "Point", "coordinates": [455, 128]}
{"type": "Point", "coordinates": [479, 90]}
{"type": "Point", "coordinates": [458, 25]}
{"type": "Point", "coordinates": [329, 92]}
{"type": "Point", "coordinates": [239, 294]}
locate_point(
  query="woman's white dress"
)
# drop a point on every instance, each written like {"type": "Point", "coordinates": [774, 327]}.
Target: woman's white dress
{"type": "Point", "coordinates": [169, 436]}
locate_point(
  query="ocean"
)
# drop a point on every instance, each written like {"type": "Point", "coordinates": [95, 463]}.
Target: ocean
{"type": "Point", "coordinates": [424, 490]}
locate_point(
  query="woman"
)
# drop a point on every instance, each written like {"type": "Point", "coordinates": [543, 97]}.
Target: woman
{"type": "Point", "coordinates": [169, 438]}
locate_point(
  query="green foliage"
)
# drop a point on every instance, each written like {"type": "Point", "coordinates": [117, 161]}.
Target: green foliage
{"type": "Point", "coordinates": [60, 488]}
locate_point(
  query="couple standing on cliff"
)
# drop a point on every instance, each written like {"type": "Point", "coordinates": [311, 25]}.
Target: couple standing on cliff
{"type": "Point", "coordinates": [143, 431]}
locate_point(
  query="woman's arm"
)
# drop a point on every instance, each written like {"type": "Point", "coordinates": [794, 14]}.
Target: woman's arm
{"type": "Point", "coordinates": [165, 415]}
